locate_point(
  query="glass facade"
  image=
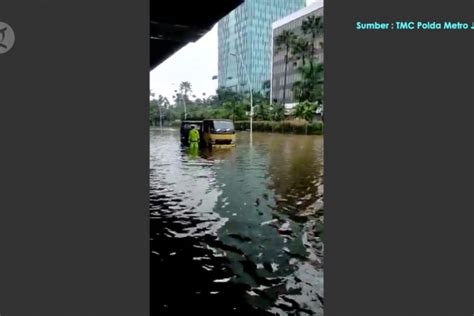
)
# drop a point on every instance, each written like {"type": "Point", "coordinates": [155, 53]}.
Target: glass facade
{"type": "Point", "coordinates": [245, 37]}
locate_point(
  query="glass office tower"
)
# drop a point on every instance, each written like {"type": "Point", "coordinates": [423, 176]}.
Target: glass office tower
{"type": "Point", "coordinates": [245, 37]}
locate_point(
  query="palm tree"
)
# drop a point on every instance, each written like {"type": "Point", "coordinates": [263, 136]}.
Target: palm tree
{"type": "Point", "coordinates": [301, 49]}
{"type": "Point", "coordinates": [162, 103]}
{"type": "Point", "coordinates": [185, 88]}
{"type": "Point", "coordinates": [312, 25]}
{"type": "Point", "coordinates": [285, 41]}
{"type": "Point", "coordinates": [310, 86]}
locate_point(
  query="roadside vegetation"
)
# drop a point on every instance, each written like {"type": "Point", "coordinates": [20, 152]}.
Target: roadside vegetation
{"type": "Point", "coordinates": [268, 115]}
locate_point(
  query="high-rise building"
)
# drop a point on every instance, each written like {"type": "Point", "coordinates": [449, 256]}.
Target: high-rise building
{"type": "Point", "coordinates": [292, 23]}
{"type": "Point", "coordinates": [245, 40]}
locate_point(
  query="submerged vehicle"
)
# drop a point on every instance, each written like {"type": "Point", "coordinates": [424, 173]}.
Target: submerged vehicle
{"type": "Point", "coordinates": [186, 127]}
{"type": "Point", "coordinates": [218, 133]}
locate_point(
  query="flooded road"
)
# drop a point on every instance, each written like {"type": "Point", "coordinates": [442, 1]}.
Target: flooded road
{"type": "Point", "coordinates": [237, 231]}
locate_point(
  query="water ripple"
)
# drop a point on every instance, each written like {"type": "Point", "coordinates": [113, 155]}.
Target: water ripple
{"type": "Point", "coordinates": [237, 231]}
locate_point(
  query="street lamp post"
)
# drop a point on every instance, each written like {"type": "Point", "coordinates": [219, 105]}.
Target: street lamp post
{"type": "Point", "coordinates": [251, 93]}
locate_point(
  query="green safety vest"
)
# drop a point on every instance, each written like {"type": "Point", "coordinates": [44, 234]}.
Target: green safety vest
{"type": "Point", "coordinates": [193, 135]}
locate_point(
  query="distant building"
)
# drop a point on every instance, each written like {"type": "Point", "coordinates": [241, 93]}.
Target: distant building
{"type": "Point", "coordinates": [293, 23]}
{"type": "Point", "coordinates": [246, 32]}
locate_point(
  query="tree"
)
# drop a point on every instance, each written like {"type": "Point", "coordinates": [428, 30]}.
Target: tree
{"type": "Point", "coordinates": [225, 103]}
{"type": "Point", "coordinates": [312, 25]}
{"type": "Point", "coordinates": [301, 49]}
{"type": "Point", "coordinates": [153, 112]}
{"type": "Point", "coordinates": [159, 108]}
{"type": "Point", "coordinates": [184, 89]}
{"type": "Point", "coordinates": [305, 110]}
{"type": "Point", "coordinates": [310, 87]}
{"type": "Point", "coordinates": [227, 95]}
{"type": "Point", "coordinates": [284, 42]}
{"type": "Point", "coordinates": [241, 108]}
{"type": "Point", "coordinates": [162, 104]}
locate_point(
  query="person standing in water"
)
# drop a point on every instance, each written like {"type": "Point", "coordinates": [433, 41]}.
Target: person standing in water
{"type": "Point", "coordinates": [193, 139]}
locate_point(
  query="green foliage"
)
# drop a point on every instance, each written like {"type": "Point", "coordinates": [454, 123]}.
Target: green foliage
{"type": "Point", "coordinates": [262, 111]}
{"type": "Point", "coordinates": [301, 50]}
{"type": "Point", "coordinates": [226, 95]}
{"type": "Point", "coordinates": [231, 105]}
{"type": "Point", "coordinates": [312, 25]}
{"type": "Point", "coordinates": [185, 88]}
{"type": "Point", "coordinates": [220, 113]}
{"type": "Point", "coordinates": [310, 87]}
{"type": "Point", "coordinates": [277, 112]}
{"type": "Point", "coordinates": [293, 127]}
{"type": "Point", "coordinates": [241, 110]}
{"type": "Point", "coordinates": [225, 103]}
{"type": "Point", "coordinates": [305, 110]}
{"type": "Point", "coordinates": [315, 128]}
{"type": "Point", "coordinates": [285, 40]}
{"type": "Point", "coordinates": [153, 115]}
{"type": "Point", "coordinates": [159, 109]}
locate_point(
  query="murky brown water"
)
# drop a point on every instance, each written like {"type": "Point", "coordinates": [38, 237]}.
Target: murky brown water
{"type": "Point", "coordinates": [236, 231]}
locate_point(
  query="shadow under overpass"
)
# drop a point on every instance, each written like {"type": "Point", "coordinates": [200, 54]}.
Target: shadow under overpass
{"type": "Point", "coordinates": [173, 24]}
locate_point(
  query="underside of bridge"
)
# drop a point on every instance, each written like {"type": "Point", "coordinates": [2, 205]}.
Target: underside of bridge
{"type": "Point", "coordinates": [177, 23]}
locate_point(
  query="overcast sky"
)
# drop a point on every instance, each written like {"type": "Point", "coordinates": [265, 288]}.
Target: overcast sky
{"type": "Point", "coordinates": [196, 63]}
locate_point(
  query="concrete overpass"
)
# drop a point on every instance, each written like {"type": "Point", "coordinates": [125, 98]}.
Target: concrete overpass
{"type": "Point", "coordinates": [176, 23]}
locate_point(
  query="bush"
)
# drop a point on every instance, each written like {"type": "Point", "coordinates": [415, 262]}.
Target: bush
{"type": "Point", "coordinates": [315, 128]}
{"type": "Point", "coordinates": [290, 127]}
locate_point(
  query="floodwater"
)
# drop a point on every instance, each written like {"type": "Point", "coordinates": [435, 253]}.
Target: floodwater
{"type": "Point", "coordinates": [237, 231]}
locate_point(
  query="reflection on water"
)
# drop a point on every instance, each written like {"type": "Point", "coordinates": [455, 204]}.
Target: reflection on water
{"type": "Point", "coordinates": [236, 231]}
